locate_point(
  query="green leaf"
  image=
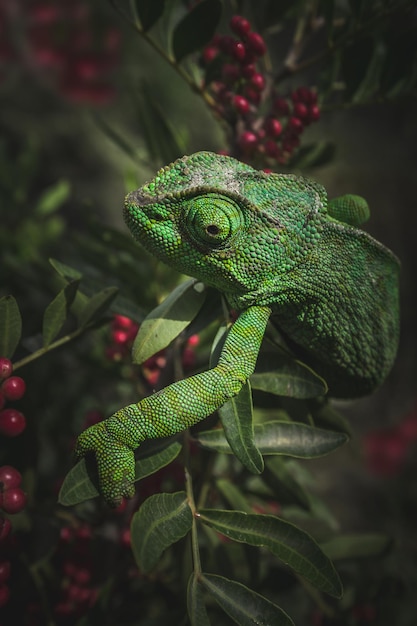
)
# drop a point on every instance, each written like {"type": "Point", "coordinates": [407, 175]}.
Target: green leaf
{"type": "Point", "coordinates": [314, 155]}
{"type": "Point", "coordinates": [290, 544]}
{"type": "Point", "coordinates": [149, 12]}
{"type": "Point", "coordinates": [52, 198]}
{"type": "Point", "coordinates": [282, 375]}
{"type": "Point", "coordinates": [168, 319]}
{"type": "Point", "coordinates": [370, 82]}
{"type": "Point", "coordinates": [287, 438]}
{"type": "Point", "coordinates": [197, 28]}
{"type": "Point", "coordinates": [237, 420]}
{"type": "Point", "coordinates": [97, 305]}
{"type": "Point", "coordinates": [163, 519]}
{"type": "Point", "coordinates": [57, 312]}
{"type": "Point", "coordinates": [81, 482]}
{"type": "Point", "coordinates": [67, 272]}
{"type": "Point", "coordinates": [233, 495]}
{"type": "Point", "coordinates": [356, 546]}
{"type": "Point", "coordinates": [244, 606]}
{"type": "Point", "coordinates": [281, 476]}
{"type": "Point", "coordinates": [10, 326]}
{"type": "Point", "coordinates": [163, 141]}
{"type": "Point", "coordinates": [195, 603]}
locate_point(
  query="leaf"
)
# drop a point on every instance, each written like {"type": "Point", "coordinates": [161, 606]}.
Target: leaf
{"type": "Point", "coordinates": [197, 28]}
{"type": "Point", "coordinates": [97, 305]}
{"type": "Point", "coordinates": [163, 141]}
{"type": "Point", "coordinates": [149, 12]}
{"type": "Point", "coordinates": [284, 483]}
{"type": "Point", "coordinates": [57, 312]}
{"type": "Point", "coordinates": [81, 483]}
{"type": "Point", "coordinates": [314, 155]}
{"type": "Point", "coordinates": [282, 375]}
{"type": "Point", "coordinates": [287, 438]}
{"type": "Point", "coordinates": [356, 546]}
{"type": "Point", "coordinates": [233, 495]}
{"type": "Point", "coordinates": [67, 272]}
{"type": "Point", "coordinates": [10, 326]}
{"type": "Point", "coordinates": [163, 519]}
{"type": "Point", "coordinates": [290, 544]}
{"type": "Point", "coordinates": [237, 421]}
{"type": "Point", "coordinates": [195, 603]}
{"type": "Point", "coordinates": [52, 198]}
{"type": "Point", "coordinates": [370, 82]}
{"type": "Point", "coordinates": [244, 606]}
{"type": "Point", "coordinates": [168, 319]}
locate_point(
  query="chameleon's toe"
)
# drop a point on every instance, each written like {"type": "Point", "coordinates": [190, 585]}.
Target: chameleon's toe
{"type": "Point", "coordinates": [115, 462]}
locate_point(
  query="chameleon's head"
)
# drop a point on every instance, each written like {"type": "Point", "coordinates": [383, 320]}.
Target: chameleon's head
{"type": "Point", "coordinates": [223, 222]}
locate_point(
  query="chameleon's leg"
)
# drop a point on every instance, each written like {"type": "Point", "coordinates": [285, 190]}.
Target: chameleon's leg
{"type": "Point", "coordinates": [350, 209]}
{"type": "Point", "coordinates": [174, 408]}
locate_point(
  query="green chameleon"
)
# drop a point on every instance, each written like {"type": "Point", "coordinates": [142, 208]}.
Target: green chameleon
{"type": "Point", "coordinates": [272, 244]}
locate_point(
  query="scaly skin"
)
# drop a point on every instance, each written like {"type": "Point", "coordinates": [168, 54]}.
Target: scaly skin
{"type": "Point", "coordinates": [269, 243]}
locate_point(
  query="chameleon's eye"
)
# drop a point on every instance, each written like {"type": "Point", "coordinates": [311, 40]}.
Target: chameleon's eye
{"type": "Point", "coordinates": [212, 219]}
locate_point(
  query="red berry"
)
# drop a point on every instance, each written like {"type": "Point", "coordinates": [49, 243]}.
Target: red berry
{"type": "Point", "coordinates": [13, 388]}
{"type": "Point", "coordinates": [255, 44]}
{"type": "Point", "coordinates": [209, 54]}
{"type": "Point", "coordinates": [9, 477]}
{"type": "Point", "coordinates": [281, 106]}
{"type": "Point", "coordinates": [295, 124]}
{"type": "Point", "coordinates": [239, 25]}
{"type": "Point", "coordinates": [14, 500]}
{"type": "Point", "coordinates": [6, 367]}
{"type": "Point", "coordinates": [226, 43]}
{"type": "Point", "coordinates": [303, 94]}
{"type": "Point", "coordinates": [271, 149]}
{"type": "Point", "coordinates": [314, 113]}
{"type": "Point", "coordinates": [273, 127]}
{"type": "Point", "coordinates": [300, 110]}
{"type": "Point", "coordinates": [241, 105]}
{"type": "Point", "coordinates": [257, 81]}
{"type": "Point", "coordinates": [230, 73]}
{"type": "Point", "coordinates": [2, 400]}
{"type": "Point", "coordinates": [248, 70]}
{"type": "Point", "coordinates": [238, 51]}
{"type": "Point", "coordinates": [5, 527]}
{"type": "Point", "coordinates": [4, 595]}
{"type": "Point", "coordinates": [248, 141]}
{"type": "Point", "coordinates": [120, 337]}
{"type": "Point", "coordinates": [253, 95]}
{"type": "Point", "coordinates": [12, 422]}
{"type": "Point", "coordinates": [122, 321]}
{"type": "Point", "coordinates": [4, 571]}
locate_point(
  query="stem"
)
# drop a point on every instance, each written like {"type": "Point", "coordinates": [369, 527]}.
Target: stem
{"type": "Point", "coordinates": [170, 60]}
{"type": "Point", "coordinates": [191, 500]}
{"type": "Point", "coordinates": [52, 346]}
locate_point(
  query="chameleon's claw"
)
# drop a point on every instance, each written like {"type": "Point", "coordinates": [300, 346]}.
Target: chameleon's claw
{"type": "Point", "coordinates": [115, 462]}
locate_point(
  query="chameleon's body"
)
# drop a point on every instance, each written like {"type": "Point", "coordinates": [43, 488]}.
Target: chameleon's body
{"type": "Point", "coordinates": [272, 245]}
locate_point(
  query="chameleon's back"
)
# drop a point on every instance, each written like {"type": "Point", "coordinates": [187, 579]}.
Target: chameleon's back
{"type": "Point", "coordinates": [343, 315]}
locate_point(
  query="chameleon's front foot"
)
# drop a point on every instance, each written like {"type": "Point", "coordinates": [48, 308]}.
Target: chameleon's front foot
{"type": "Point", "coordinates": [115, 462]}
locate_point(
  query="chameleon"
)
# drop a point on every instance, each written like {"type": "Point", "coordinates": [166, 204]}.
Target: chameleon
{"type": "Point", "coordinates": [279, 251]}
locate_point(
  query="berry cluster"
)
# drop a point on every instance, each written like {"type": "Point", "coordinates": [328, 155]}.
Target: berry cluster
{"type": "Point", "coordinates": [62, 48]}
{"type": "Point", "coordinates": [12, 500]}
{"type": "Point", "coordinates": [12, 497]}
{"type": "Point", "coordinates": [123, 333]}
{"type": "Point", "coordinates": [239, 89]}
{"type": "Point", "coordinates": [12, 422]}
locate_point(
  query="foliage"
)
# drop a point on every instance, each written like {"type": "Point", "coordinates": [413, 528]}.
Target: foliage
{"type": "Point", "coordinates": [227, 525]}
